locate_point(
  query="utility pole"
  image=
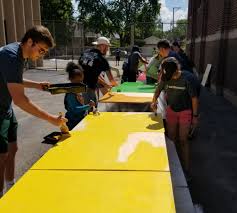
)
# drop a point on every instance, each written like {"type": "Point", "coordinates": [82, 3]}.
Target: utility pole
{"type": "Point", "coordinates": [162, 24]}
{"type": "Point", "coordinates": [132, 34]}
{"type": "Point", "coordinates": [177, 8]}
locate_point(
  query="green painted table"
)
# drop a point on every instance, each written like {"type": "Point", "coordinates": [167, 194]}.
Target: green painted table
{"type": "Point", "coordinates": [130, 92]}
{"type": "Point", "coordinates": [138, 87]}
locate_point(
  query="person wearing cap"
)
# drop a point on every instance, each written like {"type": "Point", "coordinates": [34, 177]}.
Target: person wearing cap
{"type": "Point", "coordinates": [182, 110]}
{"type": "Point", "coordinates": [94, 63]}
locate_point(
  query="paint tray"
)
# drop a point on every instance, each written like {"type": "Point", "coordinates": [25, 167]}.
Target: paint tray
{"type": "Point", "coordinates": [66, 88]}
{"type": "Point", "coordinates": [52, 138]}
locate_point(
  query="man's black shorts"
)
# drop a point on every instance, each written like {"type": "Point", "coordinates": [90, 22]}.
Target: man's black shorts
{"type": "Point", "coordinates": [8, 132]}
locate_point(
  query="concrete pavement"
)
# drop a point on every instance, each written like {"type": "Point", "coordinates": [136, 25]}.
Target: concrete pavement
{"type": "Point", "coordinates": [214, 156]}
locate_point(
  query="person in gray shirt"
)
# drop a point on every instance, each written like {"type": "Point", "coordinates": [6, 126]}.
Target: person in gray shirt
{"type": "Point", "coordinates": [33, 45]}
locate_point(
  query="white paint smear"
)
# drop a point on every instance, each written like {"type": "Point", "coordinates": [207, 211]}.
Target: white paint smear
{"type": "Point", "coordinates": [80, 126]}
{"type": "Point", "coordinates": [156, 139]}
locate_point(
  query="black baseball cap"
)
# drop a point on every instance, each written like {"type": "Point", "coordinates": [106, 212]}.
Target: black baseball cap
{"type": "Point", "coordinates": [169, 66]}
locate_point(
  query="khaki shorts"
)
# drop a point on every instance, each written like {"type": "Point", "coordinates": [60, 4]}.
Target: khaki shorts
{"type": "Point", "coordinates": [8, 132]}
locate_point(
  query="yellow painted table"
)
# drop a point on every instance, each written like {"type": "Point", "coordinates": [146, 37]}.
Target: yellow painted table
{"type": "Point", "coordinates": [111, 141]}
{"type": "Point", "coordinates": [90, 192]}
{"type": "Point", "coordinates": [112, 163]}
{"type": "Point", "coordinates": [126, 97]}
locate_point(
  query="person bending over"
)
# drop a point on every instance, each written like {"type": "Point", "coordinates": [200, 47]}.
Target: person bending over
{"type": "Point", "coordinates": [182, 109]}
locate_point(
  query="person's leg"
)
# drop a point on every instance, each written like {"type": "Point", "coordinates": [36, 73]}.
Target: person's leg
{"type": "Point", "coordinates": [12, 149]}
{"type": "Point", "coordinates": [4, 126]}
{"type": "Point", "coordinates": [171, 124]}
{"type": "Point", "coordinates": [3, 158]}
{"type": "Point", "coordinates": [10, 164]}
{"type": "Point", "coordinates": [184, 127]}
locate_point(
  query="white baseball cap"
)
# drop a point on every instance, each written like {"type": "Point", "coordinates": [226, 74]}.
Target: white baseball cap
{"type": "Point", "coordinates": [102, 40]}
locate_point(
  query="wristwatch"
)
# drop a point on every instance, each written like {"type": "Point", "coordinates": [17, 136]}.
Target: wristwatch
{"type": "Point", "coordinates": [195, 115]}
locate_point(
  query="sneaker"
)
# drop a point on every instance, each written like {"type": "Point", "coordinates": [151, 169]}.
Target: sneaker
{"type": "Point", "coordinates": [198, 208]}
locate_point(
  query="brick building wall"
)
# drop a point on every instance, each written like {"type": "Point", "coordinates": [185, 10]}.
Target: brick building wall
{"type": "Point", "coordinates": [17, 16]}
{"type": "Point", "coordinates": [212, 36]}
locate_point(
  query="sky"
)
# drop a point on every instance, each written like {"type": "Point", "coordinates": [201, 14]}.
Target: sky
{"type": "Point", "coordinates": [166, 12]}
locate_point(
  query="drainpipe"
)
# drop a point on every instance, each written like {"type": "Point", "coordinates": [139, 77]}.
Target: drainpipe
{"type": "Point", "coordinates": [223, 49]}
{"type": "Point", "coordinates": [192, 44]}
{"type": "Point", "coordinates": [203, 37]}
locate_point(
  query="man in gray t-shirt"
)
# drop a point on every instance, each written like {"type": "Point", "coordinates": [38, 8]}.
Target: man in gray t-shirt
{"type": "Point", "coordinates": [34, 45]}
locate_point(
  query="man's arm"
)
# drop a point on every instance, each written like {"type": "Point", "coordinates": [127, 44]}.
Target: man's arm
{"type": "Point", "coordinates": [103, 82]}
{"type": "Point", "coordinates": [34, 84]}
{"type": "Point", "coordinates": [142, 59]}
{"type": "Point", "coordinates": [21, 100]}
{"type": "Point", "coordinates": [111, 78]}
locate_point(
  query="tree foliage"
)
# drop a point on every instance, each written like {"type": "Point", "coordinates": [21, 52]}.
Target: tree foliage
{"type": "Point", "coordinates": [116, 16]}
{"type": "Point", "coordinates": [60, 10]}
{"type": "Point", "coordinates": [178, 32]}
{"type": "Point", "coordinates": [57, 15]}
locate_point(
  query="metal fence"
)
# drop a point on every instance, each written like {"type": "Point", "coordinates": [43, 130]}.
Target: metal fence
{"type": "Point", "coordinates": [72, 38]}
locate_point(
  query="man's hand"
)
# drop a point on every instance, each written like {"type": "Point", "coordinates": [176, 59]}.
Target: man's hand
{"type": "Point", "coordinates": [108, 87]}
{"type": "Point", "coordinates": [154, 106]}
{"type": "Point", "coordinates": [43, 85]}
{"type": "Point", "coordinates": [57, 120]}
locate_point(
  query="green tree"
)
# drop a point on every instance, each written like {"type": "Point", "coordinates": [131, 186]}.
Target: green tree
{"type": "Point", "coordinates": [179, 31]}
{"type": "Point", "coordinates": [59, 10]}
{"type": "Point", "coordinates": [158, 31]}
{"type": "Point", "coordinates": [57, 15]}
{"type": "Point", "coordinates": [117, 16]}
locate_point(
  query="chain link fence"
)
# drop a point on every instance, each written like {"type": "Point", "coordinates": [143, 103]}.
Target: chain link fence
{"type": "Point", "coordinates": [72, 38]}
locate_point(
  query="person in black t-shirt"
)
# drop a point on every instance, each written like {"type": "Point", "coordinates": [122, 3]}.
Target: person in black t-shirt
{"type": "Point", "coordinates": [94, 63]}
{"type": "Point", "coordinates": [133, 61]}
{"type": "Point", "coordinates": [182, 110]}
